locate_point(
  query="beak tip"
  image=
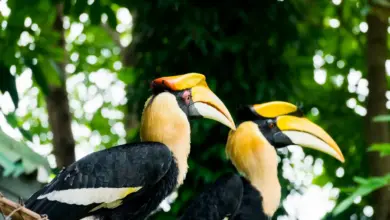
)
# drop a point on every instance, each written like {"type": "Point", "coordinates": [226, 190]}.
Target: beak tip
{"type": "Point", "coordinates": [230, 124]}
{"type": "Point", "coordinates": [233, 125]}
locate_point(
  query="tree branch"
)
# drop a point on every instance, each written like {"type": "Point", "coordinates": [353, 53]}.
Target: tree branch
{"type": "Point", "coordinates": [60, 117]}
{"type": "Point", "coordinates": [17, 211]}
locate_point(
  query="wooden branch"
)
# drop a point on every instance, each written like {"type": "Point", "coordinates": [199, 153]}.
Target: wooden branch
{"type": "Point", "coordinates": [14, 211]}
{"type": "Point", "coordinates": [60, 117]}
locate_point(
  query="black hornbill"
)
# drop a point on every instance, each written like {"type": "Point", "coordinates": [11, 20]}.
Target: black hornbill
{"type": "Point", "coordinates": [255, 194]}
{"type": "Point", "coordinates": [130, 181]}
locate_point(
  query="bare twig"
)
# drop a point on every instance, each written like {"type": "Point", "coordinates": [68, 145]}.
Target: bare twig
{"type": "Point", "coordinates": [13, 212]}
{"type": "Point", "coordinates": [18, 212]}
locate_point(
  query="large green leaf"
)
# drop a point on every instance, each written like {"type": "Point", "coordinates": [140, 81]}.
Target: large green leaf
{"type": "Point", "coordinates": [16, 152]}
{"type": "Point", "coordinates": [384, 148]}
{"type": "Point", "coordinates": [381, 118]}
{"type": "Point", "coordinates": [366, 187]}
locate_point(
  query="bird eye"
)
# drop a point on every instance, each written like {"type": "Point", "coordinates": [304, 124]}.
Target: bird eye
{"type": "Point", "coordinates": [186, 97]}
{"type": "Point", "coordinates": [270, 123]}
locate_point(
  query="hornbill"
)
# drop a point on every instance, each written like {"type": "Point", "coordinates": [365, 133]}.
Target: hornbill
{"type": "Point", "coordinates": [130, 181]}
{"type": "Point", "coordinates": [255, 194]}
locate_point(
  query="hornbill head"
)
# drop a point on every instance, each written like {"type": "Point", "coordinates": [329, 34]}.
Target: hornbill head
{"type": "Point", "coordinates": [175, 99]}
{"type": "Point", "coordinates": [263, 129]}
{"type": "Point", "coordinates": [193, 96]}
{"type": "Point", "coordinates": [277, 125]}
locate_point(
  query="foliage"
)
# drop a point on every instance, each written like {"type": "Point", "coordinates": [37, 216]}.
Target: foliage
{"type": "Point", "coordinates": [384, 149]}
{"type": "Point", "coordinates": [251, 52]}
{"type": "Point", "coordinates": [382, 118]}
{"type": "Point", "coordinates": [17, 158]}
{"type": "Point", "coordinates": [367, 186]}
{"type": "Point", "coordinates": [39, 56]}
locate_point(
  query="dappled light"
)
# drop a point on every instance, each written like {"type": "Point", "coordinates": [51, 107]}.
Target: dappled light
{"type": "Point", "coordinates": [76, 75]}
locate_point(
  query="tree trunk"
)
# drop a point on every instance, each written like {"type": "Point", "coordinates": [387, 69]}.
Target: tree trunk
{"type": "Point", "coordinates": [376, 105]}
{"type": "Point", "coordinates": [60, 117]}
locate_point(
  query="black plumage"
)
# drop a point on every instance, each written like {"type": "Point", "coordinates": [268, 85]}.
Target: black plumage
{"type": "Point", "coordinates": [231, 196]}
{"type": "Point", "coordinates": [141, 204]}
{"type": "Point", "coordinates": [148, 165]}
{"type": "Point", "coordinates": [251, 207]}
{"type": "Point", "coordinates": [220, 200]}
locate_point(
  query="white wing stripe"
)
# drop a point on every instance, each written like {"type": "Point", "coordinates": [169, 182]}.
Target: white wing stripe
{"type": "Point", "coordinates": [87, 196]}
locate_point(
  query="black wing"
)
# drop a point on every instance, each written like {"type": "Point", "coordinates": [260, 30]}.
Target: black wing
{"type": "Point", "coordinates": [252, 204]}
{"type": "Point", "coordinates": [220, 200]}
{"type": "Point", "coordinates": [126, 166]}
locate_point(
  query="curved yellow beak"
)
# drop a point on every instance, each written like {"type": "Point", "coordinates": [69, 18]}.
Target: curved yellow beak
{"type": "Point", "coordinates": [208, 105]}
{"type": "Point", "coordinates": [305, 133]}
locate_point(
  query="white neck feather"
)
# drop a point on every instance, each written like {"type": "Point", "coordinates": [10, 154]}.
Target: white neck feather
{"type": "Point", "coordinates": [268, 185]}
{"type": "Point", "coordinates": [256, 159]}
{"type": "Point", "coordinates": [163, 121]}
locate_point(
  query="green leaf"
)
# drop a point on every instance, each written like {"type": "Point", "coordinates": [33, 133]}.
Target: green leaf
{"type": "Point", "coordinates": [18, 170]}
{"type": "Point", "coordinates": [11, 119]}
{"type": "Point", "coordinates": [26, 134]}
{"type": "Point", "coordinates": [384, 149]}
{"type": "Point", "coordinates": [368, 185]}
{"type": "Point", "coordinates": [7, 165]}
{"type": "Point", "coordinates": [15, 151]}
{"type": "Point", "coordinates": [381, 118]}
{"type": "Point", "coordinates": [360, 180]}
{"type": "Point", "coordinates": [321, 180]}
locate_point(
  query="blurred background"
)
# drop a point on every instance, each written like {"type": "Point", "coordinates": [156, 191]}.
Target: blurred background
{"type": "Point", "coordinates": [74, 76]}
